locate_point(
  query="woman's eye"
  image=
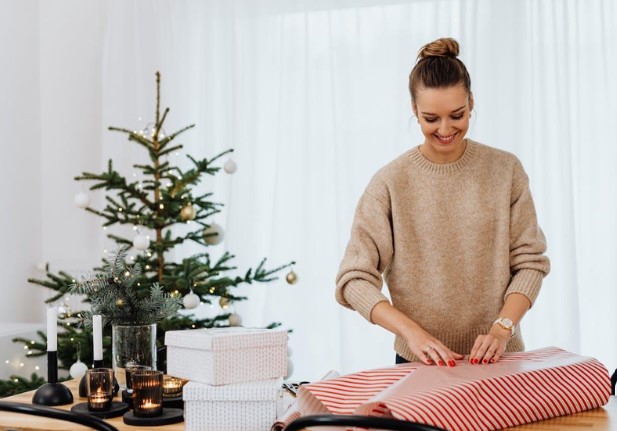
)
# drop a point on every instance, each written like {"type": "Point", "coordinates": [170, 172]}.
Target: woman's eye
{"type": "Point", "coordinates": [457, 117]}
{"type": "Point", "coordinates": [430, 120]}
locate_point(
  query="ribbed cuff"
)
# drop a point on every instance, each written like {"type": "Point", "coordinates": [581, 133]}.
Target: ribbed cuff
{"type": "Point", "coordinates": [362, 296]}
{"type": "Point", "coordinates": [526, 282]}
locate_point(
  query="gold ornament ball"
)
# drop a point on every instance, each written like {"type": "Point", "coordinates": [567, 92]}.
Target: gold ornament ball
{"type": "Point", "coordinates": [291, 277]}
{"type": "Point", "coordinates": [120, 302]}
{"type": "Point", "coordinates": [224, 302]}
{"type": "Point", "coordinates": [188, 212]}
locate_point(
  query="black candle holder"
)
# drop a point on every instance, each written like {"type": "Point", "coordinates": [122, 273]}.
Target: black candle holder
{"type": "Point", "coordinates": [83, 390]}
{"type": "Point", "coordinates": [52, 393]}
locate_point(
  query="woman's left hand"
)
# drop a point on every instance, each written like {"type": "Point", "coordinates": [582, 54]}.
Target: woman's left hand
{"type": "Point", "coordinates": [489, 348]}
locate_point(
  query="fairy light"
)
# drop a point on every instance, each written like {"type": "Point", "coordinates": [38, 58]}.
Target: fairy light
{"type": "Point", "coordinates": [37, 368]}
{"type": "Point", "coordinates": [7, 362]}
{"type": "Point", "coordinates": [192, 326]}
{"type": "Point", "coordinates": [147, 266]}
{"type": "Point", "coordinates": [161, 206]}
{"type": "Point", "coordinates": [104, 227]}
{"type": "Point", "coordinates": [138, 284]}
{"type": "Point", "coordinates": [31, 341]}
{"type": "Point", "coordinates": [29, 352]}
{"type": "Point", "coordinates": [119, 209]}
{"type": "Point", "coordinates": [21, 364]}
{"type": "Point", "coordinates": [25, 347]}
{"type": "Point", "coordinates": [134, 227]}
{"type": "Point", "coordinates": [149, 254]}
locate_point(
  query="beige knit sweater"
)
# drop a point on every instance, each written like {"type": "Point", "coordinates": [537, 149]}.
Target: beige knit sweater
{"type": "Point", "coordinates": [452, 240]}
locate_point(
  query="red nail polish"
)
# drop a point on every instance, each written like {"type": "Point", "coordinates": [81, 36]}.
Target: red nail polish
{"type": "Point", "coordinates": [474, 361]}
{"type": "Point", "coordinates": [484, 361]}
{"type": "Point", "coordinates": [428, 362]}
{"type": "Point", "coordinates": [441, 364]}
{"type": "Point", "coordinates": [493, 361]}
{"type": "Point", "coordinates": [451, 363]}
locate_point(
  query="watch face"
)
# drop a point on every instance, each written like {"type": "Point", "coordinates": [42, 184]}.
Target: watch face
{"type": "Point", "coordinates": [507, 322]}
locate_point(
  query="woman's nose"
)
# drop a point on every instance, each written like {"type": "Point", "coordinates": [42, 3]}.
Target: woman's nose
{"type": "Point", "coordinates": [444, 128]}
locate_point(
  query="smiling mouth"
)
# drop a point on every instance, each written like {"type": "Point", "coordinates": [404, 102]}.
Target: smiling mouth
{"type": "Point", "coordinates": [445, 139]}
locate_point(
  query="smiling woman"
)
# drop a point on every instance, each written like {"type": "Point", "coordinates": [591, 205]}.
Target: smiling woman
{"type": "Point", "coordinates": [453, 226]}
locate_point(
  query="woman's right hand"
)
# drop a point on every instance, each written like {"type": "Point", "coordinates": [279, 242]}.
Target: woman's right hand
{"type": "Point", "coordinates": [428, 348]}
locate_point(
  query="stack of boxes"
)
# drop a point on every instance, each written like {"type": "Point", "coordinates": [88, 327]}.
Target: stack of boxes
{"type": "Point", "coordinates": [235, 376]}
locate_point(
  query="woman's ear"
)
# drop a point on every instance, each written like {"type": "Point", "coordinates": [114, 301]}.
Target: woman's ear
{"type": "Point", "coordinates": [414, 108]}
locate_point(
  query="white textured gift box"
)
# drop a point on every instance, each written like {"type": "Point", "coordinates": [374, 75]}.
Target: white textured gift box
{"type": "Point", "coordinates": [237, 407]}
{"type": "Point", "coordinates": [220, 356]}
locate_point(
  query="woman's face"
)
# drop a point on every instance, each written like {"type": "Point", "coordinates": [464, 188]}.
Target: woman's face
{"type": "Point", "coordinates": [443, 114]}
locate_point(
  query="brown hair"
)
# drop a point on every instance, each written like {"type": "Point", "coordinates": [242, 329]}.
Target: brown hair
{"type": "Point", "coordinates": [438, 67]}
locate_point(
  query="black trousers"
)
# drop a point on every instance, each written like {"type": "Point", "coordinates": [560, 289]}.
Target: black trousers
{"type": "Point", "coordinates": [400, 360]}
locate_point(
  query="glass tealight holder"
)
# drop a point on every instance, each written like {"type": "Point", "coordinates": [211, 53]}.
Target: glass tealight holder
{"type": "Point", "coordinates": [147, 393]}
{"type": "Point", "coordinates": [99, 387]}
{"type": "Point", "coordinates": [130, 369]}
{"type": "Point", "coordinates": [172, 387]}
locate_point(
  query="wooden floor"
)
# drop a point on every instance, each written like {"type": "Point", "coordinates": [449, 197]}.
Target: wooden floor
{"type": "Point", "coordinates": [602, 419]}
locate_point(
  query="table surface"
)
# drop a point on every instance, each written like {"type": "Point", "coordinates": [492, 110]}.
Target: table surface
{"type": "Point", "coordinates": [602, 419]}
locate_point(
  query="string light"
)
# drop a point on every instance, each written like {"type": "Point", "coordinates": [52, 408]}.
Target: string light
{"type": "Point", "coordinates": [25, 347]}
{"type": "Point", "coordinates": [32, 342]}
{"type": "Point", "coordinates": [161, 206]}
{"type": "Point", "coordinates": [7, 362]}
{"type": "Point", "coordinates": [21, 364]}
{"type": "Point", "coordinates": [37, 368]}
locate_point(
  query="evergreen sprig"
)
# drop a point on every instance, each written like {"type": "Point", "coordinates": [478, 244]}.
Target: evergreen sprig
{"type": "Point", "coordinates": [114, 294]}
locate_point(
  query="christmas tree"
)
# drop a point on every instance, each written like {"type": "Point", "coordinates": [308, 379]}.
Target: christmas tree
{"type": "Point", "coordinates": [165, 203]}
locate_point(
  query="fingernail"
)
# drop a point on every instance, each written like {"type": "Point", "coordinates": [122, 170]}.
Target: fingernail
{"type": "Point", "coordinates": [441, 364]}
{"type": "Point", "coordinates": [484, 361]}
{"type": "Point", "coordinates": [474, 361]}
{"type": "Point", "coordinates": [428, 362]}
{"type": "Point", "coordinates": [492, 360]}
{"type": "Point", "coordinates": [451, 363]}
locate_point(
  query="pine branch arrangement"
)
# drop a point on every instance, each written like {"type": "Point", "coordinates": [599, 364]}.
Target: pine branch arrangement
{"type": "Point", "coordinates": [113, 294]}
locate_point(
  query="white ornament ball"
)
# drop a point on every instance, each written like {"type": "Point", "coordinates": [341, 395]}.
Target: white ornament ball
{"type": "Point", "coordinates": [214, 239]}
{"type": "Point", "coordinates": [78, 370]}
{"type": "Point", "coordinates": [290, 369]}
{"type": "Point", "coordinates": [235, 319]}
{"type": "Point", "coordinates": [191, 300]}
{"type": "Point", "coordinates": [81, 200]}
{"type": "Point", "coordinates": [230, 166]}
{"type": "Point", "coordinates": [141, 242]}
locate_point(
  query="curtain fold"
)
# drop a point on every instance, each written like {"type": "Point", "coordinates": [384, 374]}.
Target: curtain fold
{"type": "Point", "coordinates": [313, 98]}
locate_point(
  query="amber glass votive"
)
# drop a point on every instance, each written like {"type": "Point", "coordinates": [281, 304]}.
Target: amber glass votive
{"type": "Point", "coordinates": [147, 393]}
{"type": "Point", "coordinates": [172, 387]}
{"type": "Point", "coordinates": [99, 387]}
{"type": "Point", "coordinates": [130, 369]}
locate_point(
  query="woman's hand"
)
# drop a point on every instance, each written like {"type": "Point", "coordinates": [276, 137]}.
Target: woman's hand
{"type": "Point", "coordinates": [489, 348]}
{"type": "Point", "coordinates": [429, 349]}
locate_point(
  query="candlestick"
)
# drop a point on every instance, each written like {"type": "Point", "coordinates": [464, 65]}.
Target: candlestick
{"type": "Point", "coordinates": [52, 393]}
{"type": "Point", "coordinates": [97, 336]}
{"type": "Point", "coordinates": [52, 329]}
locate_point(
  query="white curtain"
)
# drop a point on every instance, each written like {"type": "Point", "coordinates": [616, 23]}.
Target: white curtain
{"type": "Point", "coordinates": [312, 95]}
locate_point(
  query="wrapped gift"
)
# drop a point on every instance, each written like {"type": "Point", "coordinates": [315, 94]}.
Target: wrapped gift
{"type": "Point", "coordinates": [220, 356]}
{"type": "Point", "coordinates": [236, 407]}
{"type": "Point", "coordinates": [520, 388]}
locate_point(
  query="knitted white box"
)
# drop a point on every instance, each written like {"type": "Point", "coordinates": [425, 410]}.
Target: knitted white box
{"type": "Point", "coordinates": [220, 356]}
{"type": "Point", "coordinates": [238, 407]}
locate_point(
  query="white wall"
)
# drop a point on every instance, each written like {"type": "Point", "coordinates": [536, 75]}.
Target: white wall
{"type": "Point", "coordinates": [20, 175]}
{"type": "Point", "coordinates": [50, 130]}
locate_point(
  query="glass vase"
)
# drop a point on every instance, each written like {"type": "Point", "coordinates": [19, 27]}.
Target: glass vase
{"type": "Point", "coordinates": [133, 345]}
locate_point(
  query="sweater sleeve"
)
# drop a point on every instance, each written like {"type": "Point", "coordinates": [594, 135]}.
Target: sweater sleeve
{"type": "Point", "coordinates": [528, 263]}
{"type": "Point", "coordinates": [368, 254]}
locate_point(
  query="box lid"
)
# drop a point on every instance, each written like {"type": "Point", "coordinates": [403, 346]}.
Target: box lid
{"type": "Point", "coordinates": [225, 338]}
{"type": "Point", "coordinates": [265, 390]}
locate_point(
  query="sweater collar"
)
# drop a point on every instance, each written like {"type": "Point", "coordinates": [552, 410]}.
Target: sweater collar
{"type": "Point", "coordinates": [445, 168]}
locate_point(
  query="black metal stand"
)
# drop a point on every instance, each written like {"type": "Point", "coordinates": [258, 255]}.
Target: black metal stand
{"type": "Point", "coordinates": [52, 393]}
{"type": "Point", "coordinates": [83, 389]}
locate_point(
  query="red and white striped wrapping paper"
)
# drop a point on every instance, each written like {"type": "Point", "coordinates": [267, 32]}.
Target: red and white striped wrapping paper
{"type": "Point", "coordinates": [520, 388]}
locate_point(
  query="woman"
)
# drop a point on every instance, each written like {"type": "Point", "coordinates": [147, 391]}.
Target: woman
{"type": "Point", "coordinates": [452, 225]}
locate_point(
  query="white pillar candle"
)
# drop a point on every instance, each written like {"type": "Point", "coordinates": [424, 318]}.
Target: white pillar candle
{"type": "Point", "coordinates": [97, 336]}
{"type": "Point", "coordinates": [52, 329]}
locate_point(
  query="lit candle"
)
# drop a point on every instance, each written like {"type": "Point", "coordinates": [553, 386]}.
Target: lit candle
{"type": "Point", "coordinates": [172, 387]}
{"type": "Point", "coordinates": [97, 336]}
{"type": "Point", "coordinates": [52, 329]}
{"type": "Point", "coordinates": [98, 401]}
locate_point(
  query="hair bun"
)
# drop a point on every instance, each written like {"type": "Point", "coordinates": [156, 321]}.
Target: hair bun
{"type": "Point", "coordinates": [444, 47]}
